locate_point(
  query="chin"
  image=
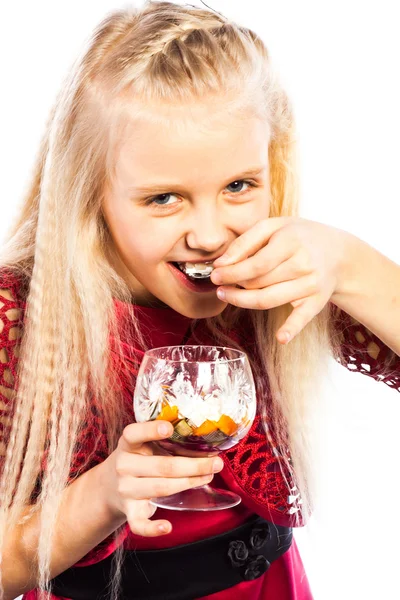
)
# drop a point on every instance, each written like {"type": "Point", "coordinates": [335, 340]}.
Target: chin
{"type": "Point", "coordinates": [201, 310]}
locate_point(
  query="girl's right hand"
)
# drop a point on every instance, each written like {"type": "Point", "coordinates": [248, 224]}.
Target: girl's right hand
{"type": "Point", "coordinates": [134, 474]}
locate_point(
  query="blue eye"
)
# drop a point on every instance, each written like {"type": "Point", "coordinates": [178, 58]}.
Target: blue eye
{"type": "Point", "coordinates": [161, 199]}
{"type": "Point", "coordinates": [240, 182]}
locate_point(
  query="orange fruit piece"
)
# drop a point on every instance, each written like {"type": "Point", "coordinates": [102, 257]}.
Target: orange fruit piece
{"type": "Point", "coordinates": [206, 428]}
{"type": "Point", "coordinates": [169, 413]}
{"type": "Point", "coordinates": [227, 425]}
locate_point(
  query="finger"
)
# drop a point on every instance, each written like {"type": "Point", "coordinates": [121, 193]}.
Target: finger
{"type": "Point", "coordinates": [138, 515]}
{"type": "Point", "coordinates": [143, 488]}
{"type": "Point", "coordinates": [142, 509]}
{"type": "Point", "coordinates": [147, 510]}
{"type": "Point", "coordinates": [147, 528]}
{"type": "Point", "coordinates": [264, 262]}
{"type": "Point", "coordinates": [141, 525]}
{"type": "Point", "coordinates": [284, 272]}
{"type": "Point", "coordinates": [298, 302]}
{"type": "Point", "coordinates": [168, 466]}
{"type": "Point", "coordinates": [299, 318]}
{"type": "Point", "coordinates": [136, 434]}
{"type": "Point", "coordinates": [251, 240]}
{"type": "Point", "coordinates": [272, 296]}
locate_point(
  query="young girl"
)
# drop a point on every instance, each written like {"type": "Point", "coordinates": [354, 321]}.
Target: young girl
{"type": "Point", "coordinates": [171, 143]}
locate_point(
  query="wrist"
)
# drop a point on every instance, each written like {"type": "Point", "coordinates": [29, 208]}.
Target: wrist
{"type": "Point", "coordinates": [102, 474]}
{"type": "Point", "coordinates": [347, 267]}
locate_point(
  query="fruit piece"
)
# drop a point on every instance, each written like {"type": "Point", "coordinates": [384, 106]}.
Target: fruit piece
{"type": "Point", "coordinates": [215, 437]}
{"type": "Point", "coordinates": [227, 425]}
{"type": "Point", "coordinates": [206, 428]}
{"type": "Point", "coordinates": [176, 437]}
{"type": "Point", "coordinates": [183, 428]}
{"type": "Point", "coordinates": [169, 413]}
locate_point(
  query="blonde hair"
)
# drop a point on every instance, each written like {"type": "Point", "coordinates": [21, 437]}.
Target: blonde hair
{"type": "Point", "coordinates": [60, 246]}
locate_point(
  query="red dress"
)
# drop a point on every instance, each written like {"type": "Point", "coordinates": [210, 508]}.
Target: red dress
{"type": "Point", "coordinates": [262, 490]}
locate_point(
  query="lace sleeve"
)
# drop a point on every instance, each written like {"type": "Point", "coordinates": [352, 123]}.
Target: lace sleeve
{"type": "Point", "coordinates": [363, 351]}
{"type": "Point", "coordinates": [10, 335]}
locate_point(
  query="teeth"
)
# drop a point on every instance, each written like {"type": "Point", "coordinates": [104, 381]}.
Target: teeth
{"type": "Point", "coordinates": [196, 270]}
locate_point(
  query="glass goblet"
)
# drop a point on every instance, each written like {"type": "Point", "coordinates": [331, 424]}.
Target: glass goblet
{"type": "Point", "coordinates": [207, 393]}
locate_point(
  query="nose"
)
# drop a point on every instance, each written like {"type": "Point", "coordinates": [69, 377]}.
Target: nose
{"type": "Point", "coordinates": [207, 231]}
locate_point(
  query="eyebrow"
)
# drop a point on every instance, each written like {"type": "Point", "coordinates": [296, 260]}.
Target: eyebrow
{"type": "Point", "coordinates": [145, 189]}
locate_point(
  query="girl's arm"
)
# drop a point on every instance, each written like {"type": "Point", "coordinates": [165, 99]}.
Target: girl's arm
{"type": "Point", "coordinates": [369, 291]}
{"type": "Point", "coordinates": [85, 520]}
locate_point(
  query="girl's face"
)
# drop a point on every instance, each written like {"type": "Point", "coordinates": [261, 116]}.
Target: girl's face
{"type": "Point", "coordinates": [183, 194]}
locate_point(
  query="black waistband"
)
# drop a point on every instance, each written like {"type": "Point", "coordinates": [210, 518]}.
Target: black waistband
{"type": "Point", "coordinates": [183, 572]}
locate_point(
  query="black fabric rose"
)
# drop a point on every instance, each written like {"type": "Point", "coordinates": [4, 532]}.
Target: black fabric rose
{"type": "Point", "coordinates": [238, 553]}
{"type": "Point", "coordinates": [256, 568]}
{"type": "Point", "coordinates": [259, 537]}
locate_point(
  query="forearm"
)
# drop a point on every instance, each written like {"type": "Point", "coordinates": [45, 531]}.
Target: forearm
{"type": "Point", "coordinates": [84, 521]}
{"type": "Point", "coordinates": [369, 290]}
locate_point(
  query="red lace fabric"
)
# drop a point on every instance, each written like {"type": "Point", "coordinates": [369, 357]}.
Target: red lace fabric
{"type": "Point", "coordinates": [251, 468]}
{"type": "Point", "coordinates": [11, 322]}
{"type": "Point", "coordinates": [364, 352]}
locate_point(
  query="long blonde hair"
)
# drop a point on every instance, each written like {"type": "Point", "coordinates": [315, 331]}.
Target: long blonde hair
{"type": "Point", "coordinates": [60, 246]}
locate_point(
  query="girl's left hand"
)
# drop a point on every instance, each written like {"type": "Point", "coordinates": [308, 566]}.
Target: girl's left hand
{"type": "Point", "coordinates": [283, 260]}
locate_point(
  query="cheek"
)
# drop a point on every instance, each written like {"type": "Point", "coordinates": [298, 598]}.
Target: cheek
{"type": "Point", "coordinates": [251, 214]}
{"type": "Point", "coordinates": [143, 247]}
{"type": "Point", "coordinates": [143, 251]}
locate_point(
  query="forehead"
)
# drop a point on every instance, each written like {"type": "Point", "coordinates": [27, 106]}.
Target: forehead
{"type": "Point", "coordinates": [191, 139]}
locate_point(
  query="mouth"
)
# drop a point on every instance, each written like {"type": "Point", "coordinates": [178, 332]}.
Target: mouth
{"type": "Point", "coordinates": [194, 276]}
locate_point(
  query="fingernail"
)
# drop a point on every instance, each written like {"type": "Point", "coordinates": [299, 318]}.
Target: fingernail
{"type": "Point", "coordinates": [218, 465]}
{"type": "Point", "coordinates": [164, 429]}
{"type": "Point", "coordinates": [285, 336]}
{"type": "Point", "coordinates": [221, 294]}
{"type": "Point", "coordinates": [163, 528]}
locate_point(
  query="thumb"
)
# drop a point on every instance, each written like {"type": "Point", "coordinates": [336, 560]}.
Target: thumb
{"type": "Point", "coordinates": [137, 434]}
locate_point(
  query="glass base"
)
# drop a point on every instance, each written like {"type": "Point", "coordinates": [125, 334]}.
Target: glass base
{"type": "Point", "coordinates": [201, 498]}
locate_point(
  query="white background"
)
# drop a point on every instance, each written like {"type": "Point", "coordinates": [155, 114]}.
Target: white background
{"type": "Point", "coordinates": [339, 62]}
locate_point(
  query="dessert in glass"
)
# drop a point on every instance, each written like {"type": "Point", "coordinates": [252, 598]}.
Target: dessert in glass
{"type": "Point", "coordinates": [207, 393]}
